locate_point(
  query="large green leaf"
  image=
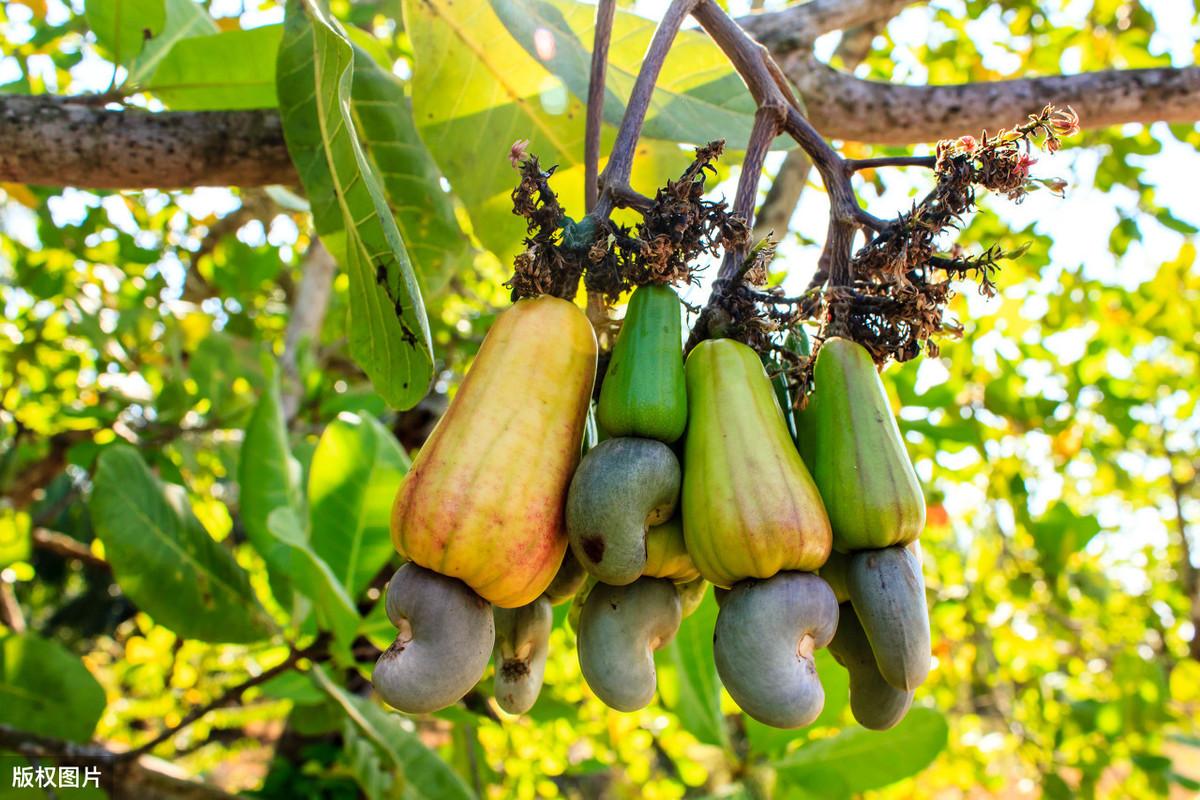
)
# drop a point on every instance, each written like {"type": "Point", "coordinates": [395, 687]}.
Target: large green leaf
{"type": "Point", "coordinates": [424, 211]}
{"type": "Point", "coordinates": [45, 689]}
{"type": "Point", "coordinates": [388, 330]}
{"type": "Point", "coordinates": [1059, 533]}
{"type": "Point", "coordinates": [502, 94]}
{"type": "Point", "coordinates": [185, 19]}
{"type": "Point", "coordinates": [689, 684]}
{"type": "Point", "coordinates": [862, 759]}
{"type": "Point", "coordinates": [698, 97]}
{"type": "Point", "coordinates": [228, 70]}
{"type": "Point", "coordinates": [312, 576]}
{"type": "Point", "coordinates": [425, 775]}
{"type": "Point", "coordinates": [269, 478]}
{"type": "Point", "coordinates": [352, 481]}
{"type": "Point", "coordinates": [123, 27]}
{"type": "Point", "coordinates": [164, 559]}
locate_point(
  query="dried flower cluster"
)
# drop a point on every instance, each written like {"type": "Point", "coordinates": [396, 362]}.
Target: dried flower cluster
{"type": "Point", "coordinates": [677, 227]}
{"type": "Point", "coordinates": [901, 282]}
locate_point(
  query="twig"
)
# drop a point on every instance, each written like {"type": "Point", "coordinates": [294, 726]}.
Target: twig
{"type": "Point", "coordinates": [67, 547]}
{"type": "Point", "coordinates": [615, 178]}
{"type": "Point", "coordinates": [857, 164]}
{"type": "Point", "coordinates": [317, 649]}
{"type": "Point", "coordinates": [605, 11]}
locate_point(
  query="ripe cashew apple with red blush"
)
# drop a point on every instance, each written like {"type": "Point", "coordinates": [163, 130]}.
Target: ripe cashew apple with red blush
{"type": "Point", "coordinates": [750, 508]}
{"type": "Point", "coordinates": [483, 501]}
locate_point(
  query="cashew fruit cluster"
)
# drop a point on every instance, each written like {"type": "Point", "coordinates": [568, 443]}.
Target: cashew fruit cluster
{"type": "Point", "coordinates": [479, 515]}
{"type": "Point", "coordinates": [621, 508]}
{"type": "Point", "coordinates": [807, 524]}
{"type": "Point", "coordinates": [850, 440]}
{"type": "Point", "coordinates": [755, 524]}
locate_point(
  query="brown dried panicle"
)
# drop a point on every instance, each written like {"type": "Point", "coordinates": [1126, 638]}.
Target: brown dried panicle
{"type": "Point", "coordinates": [545, 266]}
{"type": "Point", "coordinates": [901, 282]}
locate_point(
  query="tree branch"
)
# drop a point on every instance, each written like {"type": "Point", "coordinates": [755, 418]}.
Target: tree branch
{"type": "Point", "coordinates": [59, 142]}
{"type": "Point", "coordinates": [68, 547]}
{"type": "Point", "coordinates": [798, 26]}
{"type": "Point", "coordinates": [842, 106]}
{"type": "Point", "coordinates": [783, 197]}
{"type": "Point", "coordinates": [145, 778]}
{"type": "Point", "coordinates": [605, 12]}
{"type": "Point", "coordinates": [234, 694]}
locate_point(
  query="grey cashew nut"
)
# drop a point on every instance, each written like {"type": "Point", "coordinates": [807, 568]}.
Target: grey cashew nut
{"type": "Point", "coordinates": [766, 633]}
{"type": "Point", "coordinates": [444, 641]}
{"type": "Point", "coordinates": [875, 703]}
{"type": "Point", "coordinates": [621, 488]}
{"type": "Point", "coordinates": [522, 642]}
{"type": "Point", "coordinates": [620, 627]}
{"type": "Point", "coordinates": [888, 593]}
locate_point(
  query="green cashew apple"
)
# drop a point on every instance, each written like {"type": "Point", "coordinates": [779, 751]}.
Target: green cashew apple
{"type": "Point", "coordinates": [750, 508]}
{"type": "Point", "coordinates": [644, 393]}
{"type": "Point", "coordinates": [666, 553]}
{"type": "Point", "coordinates": [691, 595]}
{"type": "Point", "coordinates": [522, 642]}
{"type": "Point", "coordinates": [621, 488]}
{"type": "Point", "coordinates": [567, 581]}
{"type": "Point", "coordinates": [888, 593]}
{"type": "Point", "coordinates": [834, 573]}
{"type": "Point", "coordinates": [766, 634]}
{"type": "Point", "coordinates": [851, 443]}
{"type": "Point", "coordinates": [620, 627]}
{"type": "Point", "coordinates": [875, 703]}
{"type": "Point", "coordinates": [445, 637]}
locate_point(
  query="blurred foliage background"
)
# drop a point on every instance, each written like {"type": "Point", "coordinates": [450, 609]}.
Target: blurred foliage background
{"type": "Point", "coordinates": [189, 494]}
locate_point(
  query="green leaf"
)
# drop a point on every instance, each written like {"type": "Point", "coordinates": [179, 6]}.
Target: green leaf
{"type": "Point", "coordinates": [1059, 533]}
{"type": "Point", "coordinates": [47, 690]}
{"type": "Point", "coordinates": [698, 97]}
{"type": "Point", "coordinates": [425, 775]}
{"type": "Point", "coordinates": [15, 539]}
{"type": "Point", "coordinates": [269, 478]}
{"type": "Point", "coordinates": [689, 684]}
{"type": "Point", "coordinates": [164, 559]}
{"type": "Point", "coordinates": [185, 19]}
{"type": "Point", "coordinates": [314, 579]}
{"type": "Point", "coordinates": [228, 70]}
{"type": "Point", "coordinates": [424, 211]}
{"type": "Point", "coordinates": [864, 759]}
{"type": "Point", "coordinates": [351, 485]}
{"type": "Point", "coordinates": [388, 330]}
{"type": "Point", "coordinates": [501, 94]}
{"type": "Point", "coordinates": [122, 27]}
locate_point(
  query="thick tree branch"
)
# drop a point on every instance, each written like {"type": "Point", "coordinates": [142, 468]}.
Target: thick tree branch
{"type": "Point", "coordinates": [796, 27]}
{"type": "Point", "coordinates": [842, 106]}
{"type": "Point", "coordinates": [54, 141]}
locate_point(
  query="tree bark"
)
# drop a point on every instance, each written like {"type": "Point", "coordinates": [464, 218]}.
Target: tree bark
{"type": "Point", "coordinates": [842, 106]}
{"type": "Point", "coordinates": [59, 142]}
{"type": "Point", "coordinates": [54, 141]}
